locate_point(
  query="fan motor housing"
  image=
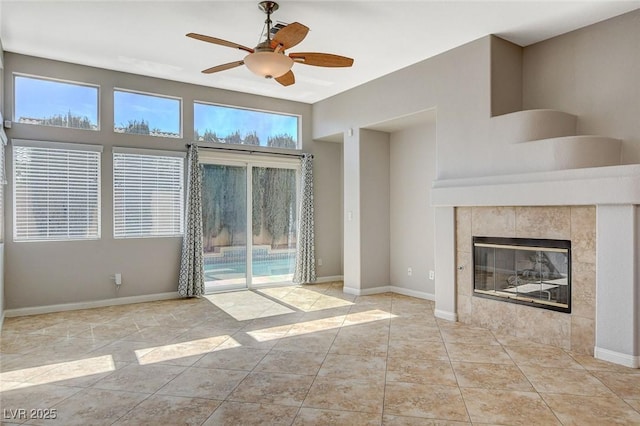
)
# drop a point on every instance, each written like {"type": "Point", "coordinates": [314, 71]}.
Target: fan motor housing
{"type": "Point", "coordinates": [268, 6]}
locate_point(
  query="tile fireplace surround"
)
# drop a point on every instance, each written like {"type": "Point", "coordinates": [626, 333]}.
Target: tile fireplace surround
{"type": "Point", "coordinates": [574, 331]}
{"type": "Point", "coordinates": [597, 208]}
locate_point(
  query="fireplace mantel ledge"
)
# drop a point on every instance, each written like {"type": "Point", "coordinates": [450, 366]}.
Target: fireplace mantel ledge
{"type": "Point", "coordinates": [588, 186]}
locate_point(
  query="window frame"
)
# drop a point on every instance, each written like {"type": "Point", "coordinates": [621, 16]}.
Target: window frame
{"type": "Point", "coordinates": [298, 149]}
{"type": "Point", "coordinates": [148, 152]}
{"type": "Point", "coordinates": [57, 80]}
{"type": "Point", "coordinates": [19, 143]}
{"type": "Point", "coordinates": [3, 178]}
{"type": "Point", "coordinates": [157, 95]}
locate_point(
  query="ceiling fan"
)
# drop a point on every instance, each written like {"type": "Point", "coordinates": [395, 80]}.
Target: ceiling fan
{"type": "Point", "coordinates": [268, 58]}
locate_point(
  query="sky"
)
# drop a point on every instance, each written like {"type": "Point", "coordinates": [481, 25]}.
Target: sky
{"type": "Point", "coordinates": [161, 113]}
{"type": "Point", "coordinates": [35, 98]}
{"type": "Point", "coordinates": [226, 120]}
{"type": "Point", "coordinates": [40, 98]}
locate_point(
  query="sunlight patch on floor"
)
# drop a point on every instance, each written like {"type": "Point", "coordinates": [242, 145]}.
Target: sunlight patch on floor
{"type": "Point", "coordinates": [314, 326]}
{"type": "Point", "coordinates": [228, 344]}
{"type": "Point", "coordinates": [63, 370]}
{"type": "Point", "coordinates": [305, 300]}
{"type": "Point", "coordinates": [178, 350]}
{"type": "Point", "coordinates": [247, 305]}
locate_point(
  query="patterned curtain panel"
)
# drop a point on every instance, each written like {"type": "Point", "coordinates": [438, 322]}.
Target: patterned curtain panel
{"type": "Point", "coordinates": [305, 271]}
{"type": "Point", "coordinates": [191, 281]}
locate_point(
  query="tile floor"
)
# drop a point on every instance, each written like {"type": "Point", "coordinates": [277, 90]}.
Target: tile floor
{"type": "Point", "coordinates": [296, 355]}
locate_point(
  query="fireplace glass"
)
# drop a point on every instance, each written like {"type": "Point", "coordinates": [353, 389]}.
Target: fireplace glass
{"type": "Point", "coordinates": [533, 272]}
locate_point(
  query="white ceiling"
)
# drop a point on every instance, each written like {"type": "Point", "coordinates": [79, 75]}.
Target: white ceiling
{"type": "Point", "coordinates": [148, 37]}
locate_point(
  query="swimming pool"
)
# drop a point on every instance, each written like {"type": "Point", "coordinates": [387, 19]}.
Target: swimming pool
{"type": "Point", "coordinates": [233, 266]}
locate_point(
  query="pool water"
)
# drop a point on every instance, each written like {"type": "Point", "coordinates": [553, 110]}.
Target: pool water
{"type": "Point", "coordinates": [214, 271]}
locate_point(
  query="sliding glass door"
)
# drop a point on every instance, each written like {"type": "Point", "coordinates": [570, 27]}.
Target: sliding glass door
{"type": "Point", "coordinates": [249, 212]}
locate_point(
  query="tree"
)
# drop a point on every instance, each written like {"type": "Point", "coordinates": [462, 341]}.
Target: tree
{"type": "Point", "coordinates": [279, 206]}
{"type": "Point", "coordinates": [213, 189]}
{"type": "Point", "coordinates": [257, 203]}
{"type": "Point", "coordinates": [210, 136]}
{"type": "Point", "coordinates": [234, 207]}
{"type": "Point", "coordinates": [233, 138]}
{"type": "Point", "coordinates": [252, 139]}
{"type": "Point", "coordinates": [282, 141]}
{"type": "Point", "coordinates": [223, 203]}
{"type": "Point", "coordinates": [137, 127]}
{"type": "Point", "coordinates": [68, 120]}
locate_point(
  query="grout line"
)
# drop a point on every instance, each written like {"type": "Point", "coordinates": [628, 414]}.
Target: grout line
{"type": "Point", "coordinates": [466, 408]}
{"type": "Point", "coordinates": [386, 365]}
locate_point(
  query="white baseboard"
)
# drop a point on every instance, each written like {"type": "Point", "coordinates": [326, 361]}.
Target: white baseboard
{"type": "Point", "coordinates": [617, 357]}
{"type": "Point", "coordinates": [388, 289]}
{"type": "Point", "coordinates": [367, 291]}
{"type": "Point", "coordinates": [412, 293]}
{"type": "Point", "coordinates": [35, 310]}
{"type": "Point", "coordinates": [351, 290]}
{"type": "Point", "coordinates": [445, 315]}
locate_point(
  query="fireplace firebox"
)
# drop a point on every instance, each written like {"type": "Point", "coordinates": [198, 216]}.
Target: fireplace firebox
{"type": "Point", "coordinates": [533, 272]}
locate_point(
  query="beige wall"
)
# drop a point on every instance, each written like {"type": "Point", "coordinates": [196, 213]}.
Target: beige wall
{"type": "Point", "coordinates": [2, 188]}
{"type": "Point", "coordinates": [592, 73]}
{"type": "Point", "coordinates": [374, 209]}
{"type": "Point", "coordinates": [506, 77]}
{"type": "Point", "coordinates": [328, 207]}
{"type": "Point", "coordinates": [459, 80]}
{"type": "Point", "coordinates": [351, 209]}
{"type": "Point", "coordinates": [388, 175]}
{"type": "Point", "coordinates": [456, 82]}
{"type": "Point", "coordinates": [412, 168]}
{"type": "Point", "coordinates": [50, 273]}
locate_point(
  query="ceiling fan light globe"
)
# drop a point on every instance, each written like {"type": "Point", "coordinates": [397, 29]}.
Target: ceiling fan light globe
{"type": "Point", "coordinates": [268, 64]}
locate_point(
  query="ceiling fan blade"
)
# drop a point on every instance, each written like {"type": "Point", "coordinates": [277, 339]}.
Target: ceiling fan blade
{"type": "Point", "coordinates": [290, 35]}
{"type": "Point", "coordinates": [223, 67]}
{"type": "Point", "coordinates": [321, 59]}
{"type": "Point", "coordinates": [219, 41]}
{"type": "Point", "coordinates": [286, 79]}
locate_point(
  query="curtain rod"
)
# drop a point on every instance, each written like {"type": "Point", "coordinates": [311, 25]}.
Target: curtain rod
{"type": "Point", "coordinates": [248, 151]}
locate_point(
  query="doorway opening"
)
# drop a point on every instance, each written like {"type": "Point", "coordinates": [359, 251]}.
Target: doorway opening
{"type": "Point", "coordinates": [249, 215]}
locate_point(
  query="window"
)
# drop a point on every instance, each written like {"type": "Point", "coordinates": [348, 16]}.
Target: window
{"type": "Point", "coordinates": [3, 178]}
{"type": "Point", "coordinates": [146, 114]}
{"type": "Point", "coordinates": [148, 193]}
{"type": "Point", "coordinates": [223, 124]}
{"type": "Point", "coordinates": [56, 190]}
{"type": "Point", "coordinates": [55, 103]}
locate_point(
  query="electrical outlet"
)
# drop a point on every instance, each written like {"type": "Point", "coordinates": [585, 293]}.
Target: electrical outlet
{"type": "Point", "coordinates": [432, 275]}
{"type": "Point", "coordinates": [118, 279]}
{"type": "Point", "coordinates": [409, 271]}
{"type": "Point", "coordinates": [319, 261]}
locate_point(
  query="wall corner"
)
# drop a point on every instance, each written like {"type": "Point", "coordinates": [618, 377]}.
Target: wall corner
{"type": "Point", "coordinates": [506, 76]}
